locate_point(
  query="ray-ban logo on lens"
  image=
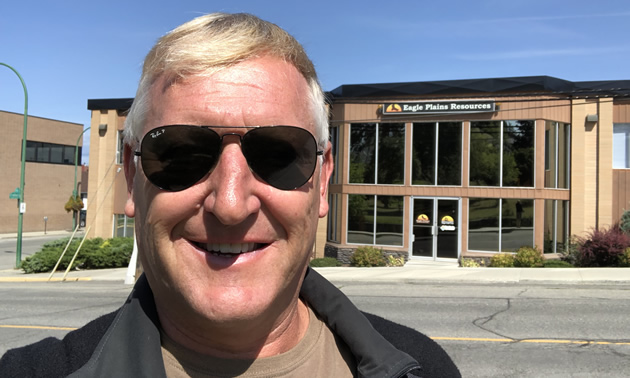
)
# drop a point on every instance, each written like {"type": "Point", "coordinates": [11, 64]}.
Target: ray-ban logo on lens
{"type": "Point", "coordinates": [157, 133]}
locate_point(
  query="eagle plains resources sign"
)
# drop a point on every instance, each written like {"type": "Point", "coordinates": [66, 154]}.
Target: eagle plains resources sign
{"type": "Point", "coordinates": [428, 107]}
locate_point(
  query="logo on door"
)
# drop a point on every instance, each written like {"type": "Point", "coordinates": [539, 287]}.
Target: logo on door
{"type": "Point", "coordinates": [423, 219]}
{"type": "Point", "coordinates": [447, 223]}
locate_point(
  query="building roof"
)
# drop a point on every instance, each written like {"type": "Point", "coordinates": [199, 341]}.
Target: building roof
{"type": "Point", "coordinates": [524, 85]}
{"type": "Point", "coordinates": [110, 103]}
{"type": "Point", "coordinates": [520, 85]}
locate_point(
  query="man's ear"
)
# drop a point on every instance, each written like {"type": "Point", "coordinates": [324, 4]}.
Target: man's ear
{"type": "Point", "coordinates": [129, 165]}
{"type": "Point", "coordinates": [324, 178]}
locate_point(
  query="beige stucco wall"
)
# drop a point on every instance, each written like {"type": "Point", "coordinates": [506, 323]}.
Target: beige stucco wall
{"type": "Point", "coordinates": [104, 172]}
{"type": "Point", "coordinates": [47, 186]}
{"type": "Point", "coordinates": [591, 166]}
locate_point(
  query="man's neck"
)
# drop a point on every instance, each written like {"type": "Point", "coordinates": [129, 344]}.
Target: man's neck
{"type": "Point", "coordinates": [241, 339]}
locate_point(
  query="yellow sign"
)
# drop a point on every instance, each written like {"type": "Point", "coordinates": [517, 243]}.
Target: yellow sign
{"type": "Point", "coordinates": [393, 108]}
{"type": "Point", "coordinates": [423, 219]}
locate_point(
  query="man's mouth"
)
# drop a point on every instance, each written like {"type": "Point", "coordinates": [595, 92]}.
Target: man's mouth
{"type": "Point", "coordinates": [229, 249]}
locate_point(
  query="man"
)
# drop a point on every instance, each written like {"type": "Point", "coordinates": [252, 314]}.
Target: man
{"type": "Point", "coordinates": [227, 162]}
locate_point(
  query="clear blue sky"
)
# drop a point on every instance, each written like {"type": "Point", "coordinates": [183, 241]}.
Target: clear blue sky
{"type": "Point", "coordinates": [71, 51]}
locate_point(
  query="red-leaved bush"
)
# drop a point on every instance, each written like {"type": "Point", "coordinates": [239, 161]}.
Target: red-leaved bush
{"type": "Point", "coordinates": [603, 247]}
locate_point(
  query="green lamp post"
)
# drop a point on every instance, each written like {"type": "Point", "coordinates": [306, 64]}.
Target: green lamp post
{"type": "Point", "coordinates": [20, 194]}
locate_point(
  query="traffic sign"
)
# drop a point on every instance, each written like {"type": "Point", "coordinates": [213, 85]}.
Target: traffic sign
{"type": "Point", "coordinates": [15, 194]}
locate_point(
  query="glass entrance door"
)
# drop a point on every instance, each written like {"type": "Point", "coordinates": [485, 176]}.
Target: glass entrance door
{"type": "Point", "coordinates": [435, 228]}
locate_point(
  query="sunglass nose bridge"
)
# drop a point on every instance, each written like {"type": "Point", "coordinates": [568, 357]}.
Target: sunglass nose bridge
{"type": "Point", "coordinates": [240, 137]}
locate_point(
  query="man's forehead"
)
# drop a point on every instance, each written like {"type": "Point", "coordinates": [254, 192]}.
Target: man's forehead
{"type": "Point", "coordinates": [265, 72]}
{"type": "Point", "coordinates": [263, 91]}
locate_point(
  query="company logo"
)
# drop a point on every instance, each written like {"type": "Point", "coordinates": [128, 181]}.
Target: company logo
{"type": "Point", "coordinates": [423, 219]}
{"type": "Point", "coordinates": [393, 108]}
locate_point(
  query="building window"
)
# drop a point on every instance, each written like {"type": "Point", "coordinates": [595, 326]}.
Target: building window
{"type": "Point", "coordinates": [518, 153]}
{"type": "Point", "coordinates": [483, 224]}
{"type": "Point", "coordinates": [621, 145]}
{"type": "Point", "coordinates": [41, 152]}
{"type": "Point", "coordinates": [334, 217]}
{"type": "Point", "coordinates": [517, 223]}
{"type": "Point", "coordinates": [502, 153]}
{"type": "Point", "coordinates": [441, 165]}
{"type": "Point", "coordinates": [334, 140]}
{"type": "Point", "coordinates": [375, 220]}
{"type": "Point", "coordinates": [123, 226]}
{"type": "Point", "coordinates": [377, 153]}
{"type": "Point", "coordinates": [557, 155]}
{"type": "Point", "coordinates": [500, 224]}
{"type": "Point", "coordinates": [120, 148]}
{"type": "Point", "coordinates": [556, 226]}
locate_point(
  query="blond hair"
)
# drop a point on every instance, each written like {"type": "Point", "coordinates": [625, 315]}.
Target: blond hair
{"type": "Point", "coordinates": [216, 41]}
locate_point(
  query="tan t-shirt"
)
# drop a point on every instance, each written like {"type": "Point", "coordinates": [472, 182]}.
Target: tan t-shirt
{"type": "Point", "coordinates": [319, 354]}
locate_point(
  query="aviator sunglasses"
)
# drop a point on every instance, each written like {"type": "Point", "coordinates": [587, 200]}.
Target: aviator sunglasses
{"type": "Point", "coordinates": [176, 157]}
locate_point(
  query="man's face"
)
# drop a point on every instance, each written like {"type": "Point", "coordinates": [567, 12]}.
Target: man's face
{"type": "Point", "coordinates": [229, 206]}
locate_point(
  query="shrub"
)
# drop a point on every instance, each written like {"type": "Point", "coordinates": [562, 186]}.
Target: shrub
{"type": "Point", "coordinates": [556, 264]}
{"type": "Point", "coordinates": [94, 254]}
{"type": "Point", "coordinates": [625, 222]}
{"type": "Point", "coordinates": [603, 247]}
{"type": "Point", "coordinates": [468, 263]}
{"type": "Point", "coordinates": [572, 254]}
{"type": "Point", "coordinates": [113, 253]}
{"type": "Point", "coordinates": [502, 260]}
{"type": "Point", "coordinates": [624, 258]}
{"type": "Point", "coordinates": [395, 261]}
{"type": "Point", "coordinates": [368, 256]}
{"type": "Point", "coordinates": [324, 262]}
{"type": "Point", "coordinates": [528, 257]}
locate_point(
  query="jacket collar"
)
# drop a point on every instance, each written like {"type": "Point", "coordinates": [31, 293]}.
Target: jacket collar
{"type": "Point", "coordinates": [375, 356]}
{"type": "Point", "coordinates": [131, 345]}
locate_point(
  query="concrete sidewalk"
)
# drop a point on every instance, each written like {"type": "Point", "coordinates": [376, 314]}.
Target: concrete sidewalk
{"type": "Point", "coordinates": [25, 235]}
{"type": "Point", "coordinates": [412, 272]}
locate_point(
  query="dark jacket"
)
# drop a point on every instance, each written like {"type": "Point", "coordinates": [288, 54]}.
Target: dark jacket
{"type": "Point", "coordinates": [126, 343]}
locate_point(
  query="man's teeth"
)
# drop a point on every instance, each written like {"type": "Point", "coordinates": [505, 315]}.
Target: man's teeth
{"type": "Point", "coordinates": [230, 247]}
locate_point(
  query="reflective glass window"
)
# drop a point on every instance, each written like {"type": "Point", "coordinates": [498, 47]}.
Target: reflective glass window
{"type": "Point", "coordinates": [621, 145]}
{"type": "Point", "coordinates": [391, 153]}
{"type": "Point", "coordinates": [485, 151]}
{"type": "Point", "coordinates": [362, 153]}
{"type": "Point", "coordinates": [423, 165]}
{"type": "Point", "coordinates": [334, 217]}
{"type": "Point", "coordinates": [56, 154]}
{"type": "Point", "coordinates": [360, 219]}
{"type": "Point", "coordinates": [42, 152]}
{"type": "Point", "coordinates": [483, 224]}
{"type": "Point", "coordinates": [556, 226]}
{"type": "Point", "coordinates": [389, 220]}
{"type": "Point", "coordinates": [449, 154]}
{"type": "Point", "coordinates": [518, 153]}
{"type": "Point", "coordinates": [517, 224]}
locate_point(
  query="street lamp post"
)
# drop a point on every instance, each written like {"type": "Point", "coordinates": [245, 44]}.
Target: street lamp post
{"type": "Point", "coordinates": [76, 161]}
{"type": "Point", "coordinates": [22, 208]}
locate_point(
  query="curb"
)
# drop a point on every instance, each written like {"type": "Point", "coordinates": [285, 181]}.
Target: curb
{"type": "Point", "coordinates": [42, 279]}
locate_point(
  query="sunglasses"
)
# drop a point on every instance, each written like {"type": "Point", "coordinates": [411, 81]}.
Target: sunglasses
{"type": "Point", "coordinates": [176, 157]}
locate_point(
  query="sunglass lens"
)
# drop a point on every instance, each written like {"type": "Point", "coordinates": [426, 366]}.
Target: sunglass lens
{"type": "Point", "coordinates": [176, 157]}
{"type": "Point", "coordinates": [282, 156]}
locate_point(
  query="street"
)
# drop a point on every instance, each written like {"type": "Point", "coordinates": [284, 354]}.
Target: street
{"type": "Point", "coordinates": [490, 330]}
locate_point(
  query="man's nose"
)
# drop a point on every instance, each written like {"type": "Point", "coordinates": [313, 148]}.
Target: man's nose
{"type": "Point", "coordinates": [232, 185]}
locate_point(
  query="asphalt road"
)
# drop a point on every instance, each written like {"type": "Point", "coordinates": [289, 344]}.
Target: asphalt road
{"type": "Point", "coordinates": [489, 330]}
